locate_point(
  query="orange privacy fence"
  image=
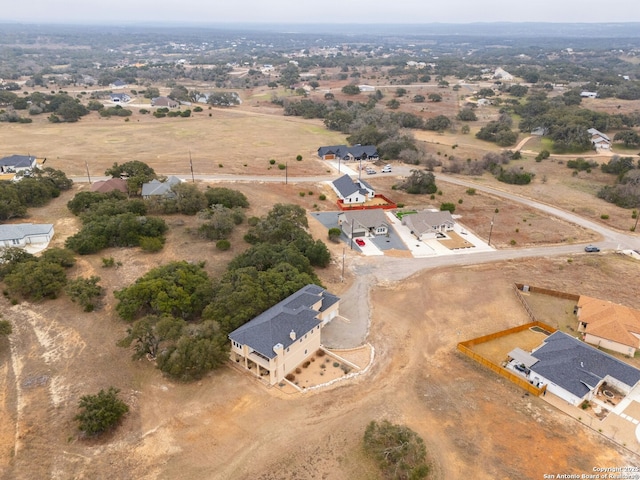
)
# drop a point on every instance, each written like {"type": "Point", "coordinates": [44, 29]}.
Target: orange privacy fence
{"type": "Point", "coordinates": [466, 349]}
{"type": "Point", "coordinates": [548, 291]}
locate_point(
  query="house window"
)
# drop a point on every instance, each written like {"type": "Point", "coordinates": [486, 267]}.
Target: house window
{"type": "Point", "coordinates": [305, 351]}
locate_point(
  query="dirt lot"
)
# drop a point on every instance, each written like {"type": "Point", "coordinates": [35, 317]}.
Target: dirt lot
{"type": "Point", "coordinates": [229, 426]}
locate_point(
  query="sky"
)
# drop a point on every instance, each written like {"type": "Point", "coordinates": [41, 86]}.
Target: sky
{"type": "Point", "coordinates": [127, 12]}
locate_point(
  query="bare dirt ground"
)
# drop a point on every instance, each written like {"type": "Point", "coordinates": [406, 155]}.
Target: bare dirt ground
{"type": "Point", "coordinates": [229, 426]}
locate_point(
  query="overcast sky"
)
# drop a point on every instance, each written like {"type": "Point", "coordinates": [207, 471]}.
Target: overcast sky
{"type": "Point", "coordinates": [319, 11]}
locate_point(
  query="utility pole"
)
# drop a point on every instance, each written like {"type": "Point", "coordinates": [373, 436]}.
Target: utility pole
{"type": "Point", "coordinates": [635, 227]}
{"type": "Point", "coordinates": [193, 180]}
{"type": "Point", "coordinates": [88, 176]}
{"type": "Point", "coordinates": [286, 172]}
{"type": "Point", "coordinates": [491, 228]}
{"type": "Point", "coordinates": [351, 239]}
{"type": "Point", "coordinates": [343, 255]}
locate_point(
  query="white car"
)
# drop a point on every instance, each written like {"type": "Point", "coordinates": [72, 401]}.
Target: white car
{"type": "Point", "coordinates": [386, 169]}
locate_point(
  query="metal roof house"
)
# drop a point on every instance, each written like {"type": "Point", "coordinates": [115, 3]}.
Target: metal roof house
{"type": "Point", "coordinates": [573, 370]}
{"type": "Point", "coordinates": [23, 234]}
{"type": "Point", "coordinates": [278, 340]}
{"type": "Point", "coordinates": [352, 191]}
{"type": "Point", "coordinates": [599, 139]}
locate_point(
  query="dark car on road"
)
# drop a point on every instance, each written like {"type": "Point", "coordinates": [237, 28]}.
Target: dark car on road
{"type": "Point", "coordinates": [591, 248]}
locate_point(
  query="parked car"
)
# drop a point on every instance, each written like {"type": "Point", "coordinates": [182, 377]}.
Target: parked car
{"type": "Point", "coordinates": [591, 248]}
{"type": "Point", "coordinates": [386, 169]}
{"type": "Point", "coordinates": [360, 242]}
{"type": "Point", "coordinates": [370, 171]}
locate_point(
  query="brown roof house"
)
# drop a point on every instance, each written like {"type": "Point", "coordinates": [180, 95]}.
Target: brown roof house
{"type": "Point", "coordinates": [105, 186]}
{"type": "Point", "coordinates": [609, 325]}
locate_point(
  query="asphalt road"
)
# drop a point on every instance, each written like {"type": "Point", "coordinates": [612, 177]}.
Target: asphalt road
{"type": "Point", "coordinates": [369, 271]}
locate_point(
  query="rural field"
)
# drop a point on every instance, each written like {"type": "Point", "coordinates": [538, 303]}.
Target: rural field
{"type": "Point", "coordinates": [229, 426]}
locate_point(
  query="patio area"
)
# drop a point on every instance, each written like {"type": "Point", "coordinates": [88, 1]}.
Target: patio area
{"type": "Point", "coordinates": [327, 367]}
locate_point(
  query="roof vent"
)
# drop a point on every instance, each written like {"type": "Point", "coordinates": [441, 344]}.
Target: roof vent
{"type": "Point", "coordinates": [582, 364]}
{"type": "Point", "coordinates": [292, 335]}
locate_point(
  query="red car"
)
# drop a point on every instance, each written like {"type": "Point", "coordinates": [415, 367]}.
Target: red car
{"type": "Point", "coordinates": [360, 242]}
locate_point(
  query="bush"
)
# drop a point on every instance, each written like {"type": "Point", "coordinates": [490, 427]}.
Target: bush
{"type": "Point", "coordinates": [85, 291]}
{"type": "Point", "coordinates": [604, 216]}
{"type": "Point", "coordinates": [398, 451]}
{"type": "Point", "coordinates": [471, 191]}
{"type": "Point", "coordinates": [282, 166]}
{"type": "Point", "coordinates": [151, 244]}
{"type": "Point", "coordinates": [100, 412]}
{"type": "Point", "coordinates": [223, 245]}
{"type": "Point", "coordinates": [447, 206]}
{"type": "Point", "coordinates": [322, 197]}
{"type": "Point", "coordinates": [272, 162]}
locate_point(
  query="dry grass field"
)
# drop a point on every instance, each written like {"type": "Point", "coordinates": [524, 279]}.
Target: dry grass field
{"type": "Point", "coordinates": [228, 426]}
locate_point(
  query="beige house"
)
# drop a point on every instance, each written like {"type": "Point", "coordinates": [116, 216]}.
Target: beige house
{"type": "Point", "coordinates": [428, 224]}
{"type": "Point", "coordinates": [278, 340]}
{"type": "Point", "coordinates": [608, 325]}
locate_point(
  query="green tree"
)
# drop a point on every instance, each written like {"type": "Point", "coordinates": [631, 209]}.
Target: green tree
{"type": "Point", "coordinates": [85, 291]}
{"type": "Point", "coordinates": [467, 115]}
{"type": "Point", "coordinates": [450, 207]}
{"type": "Point", "coordinates": [435, 97]}
{"type": "Point", "coordinates": [289, 75]}
{"type": "Point", "coordinates": [438, 123]}
{"type": "Point", "coordinates": [420, 182]}
{"type": "Point", "coordinates": [178, 289]}
{"type": "Point", "coordinates": [398, 451]}
{"type": "Point", "coordinates": [629, 138]}
{"type": "Point", "coordinates": [393, 104]}
{"type": "Point", "coordinates": [36, 280]}
{"type": "Point", "coordinates": [150, 334]}
{"type": "Point", "coordinates": [518, 90]}
{"type": "Point", "coordinates": [217, 222]}
{"type": "Point", "coordinates": [351, 90]}
{"type": "Point", "coordinates": [101, 412]}
{"type": "Point", "coordinates": [136, 173]}
{"type": "Point", "coordinates": [401, 92]}
{"type": "Point", "coordinates": [226, 197]}
{"type": "Point", "coordinates": [10, 257]}
{"type": "Point", "coordinates": [418, 99]}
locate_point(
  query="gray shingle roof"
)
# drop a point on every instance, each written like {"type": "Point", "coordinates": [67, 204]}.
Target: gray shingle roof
{"type": "Point", "coordinates": [572, 365]}
{"type": "Point", "coordinates": [367, 218]}
{"type": "Point", "coordinates": [358, 151]}
{"type": "Point", "coordinates": [338, 150]}
{"type": "Point", "coordinates": [22, 230]}
{"type": "Point", "coordinates": [274, 325]}
{"type": "Point", "coordinates": [346, 186]}
{"type": "Point", "coordinates": [17, 161]}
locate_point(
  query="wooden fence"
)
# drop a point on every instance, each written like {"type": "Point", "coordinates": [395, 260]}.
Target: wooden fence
{"type": "Point", "coordinates": [466, 349]}
{"type": "Point", "coordinates": [548, 291]}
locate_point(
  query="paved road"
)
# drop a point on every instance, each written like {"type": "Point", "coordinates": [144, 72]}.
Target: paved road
{"type": "Point", "coordinates": [369, 271]}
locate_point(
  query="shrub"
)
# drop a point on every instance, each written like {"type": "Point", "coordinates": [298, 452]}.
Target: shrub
{"type": "Point", "coordinates": [282, 166]}
{"type": "Point", "coordinates": [399, 451]}
{"type": "Point", "coordinates": [447, 206]}
{"type": "Point", "coordinates": [322, 197]}
{"type": "Point", "coordinates": [298, 370]}
{"type": "Point", "coordinates": [302, 194]}
{"type": "Point", "coordinates": [460, 201]}
{"type": "Point", "coordinates": [290, 376]}
{"type": "Point", "coordinates": [108, 262]}
{"type": "Point", "coordinates": [100, 412]}
{"type": "Point", "coordinates": [320, 353]}
{"type": "Point", "coordinates": [336, 364]}
{"type": "Point", "coordinates": [151, 244]}
{"type": "Point", "coordinates": [306, 364]}
{"type": "Point", "coordinates": [471, 191]}
{"type": "Point", "coordinates": [604, 216]}
{"type": "Point", "coordinates": [272, 162]}
{"type": "Point", "coordinates": [223, 245]}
